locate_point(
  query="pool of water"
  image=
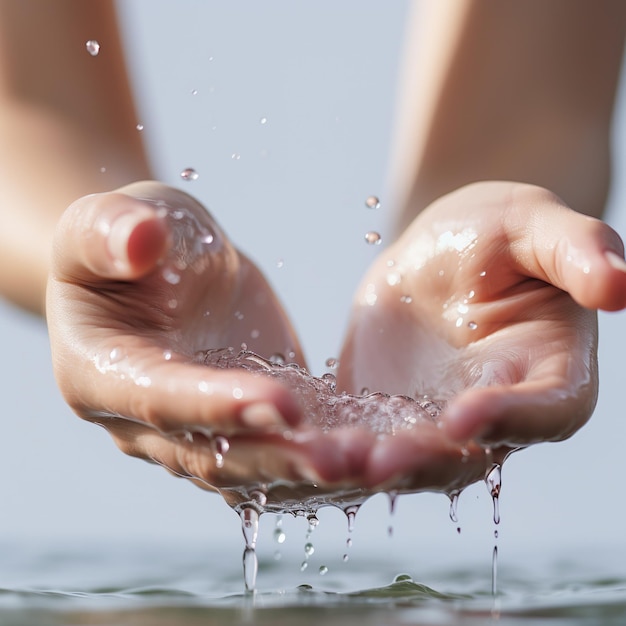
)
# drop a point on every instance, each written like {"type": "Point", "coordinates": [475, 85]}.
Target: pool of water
{"type": "Point", "coordinates": [119, 583]}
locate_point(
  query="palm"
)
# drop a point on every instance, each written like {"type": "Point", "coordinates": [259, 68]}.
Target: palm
{"type": "Point", "coordinates": [450, 310]}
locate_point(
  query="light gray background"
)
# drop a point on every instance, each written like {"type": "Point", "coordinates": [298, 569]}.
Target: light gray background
{"type": "Point", "coordinates": [324, 75]}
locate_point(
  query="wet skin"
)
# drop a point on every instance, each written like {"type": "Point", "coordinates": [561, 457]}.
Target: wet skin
{"type": "Point", "coordinates": [144, 279]}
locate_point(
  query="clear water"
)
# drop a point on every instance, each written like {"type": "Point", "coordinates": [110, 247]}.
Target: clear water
{"type": "Point", "coordinates": [117, 584]}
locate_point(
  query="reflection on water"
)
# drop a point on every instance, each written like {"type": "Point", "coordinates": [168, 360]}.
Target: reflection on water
{"type": "Point", "coordinates": [153, 585]}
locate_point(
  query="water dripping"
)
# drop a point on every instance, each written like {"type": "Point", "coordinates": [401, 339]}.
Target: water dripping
{"type": "Point", "coordinates": [189, 174]}
{"type": "Point", "coordinates": [372, 202]}
{"type": "Point", "coordinates": [373, 238]}
{"type": "Point", "coordinates": [250, 528]}
{"type": "Point", "coordinates": [279, 533]}
{"type": "Point", "coordinates": [493, 480]}
{"type": "Point", "coordinates": [393, 498]}
{"type": "Point", "coordinates": [93, 47]}
{"type": "Point", "coordinates": [454, 502]}
{"type": "Point", "coordinates": [139, 127]}
{"type": "Point", "coordinates": [263, 120]}
{"type": "Point", "coordinates": [494, 571]}
{"type": "Point", "coordinates": [220, 445]}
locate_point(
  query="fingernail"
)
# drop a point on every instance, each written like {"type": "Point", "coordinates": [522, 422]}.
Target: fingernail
{"type": "Point", "coordinates": [615, 260]}
{"type": "Point", "coordinates": [261, 415]}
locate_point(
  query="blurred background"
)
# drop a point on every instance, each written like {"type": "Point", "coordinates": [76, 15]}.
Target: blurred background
{"type": "Point", "coordinates": [285, 110]}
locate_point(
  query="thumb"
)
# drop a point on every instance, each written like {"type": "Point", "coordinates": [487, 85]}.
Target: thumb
{"type": "Point", "coordinates": [577, 253]}
{"type": "Point", "coordinates": [108, 236]}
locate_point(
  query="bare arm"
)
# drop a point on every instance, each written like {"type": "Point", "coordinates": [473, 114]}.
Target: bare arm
{"type": "Point", "coordinates": [508, 90]}
{"type": "Point", "coordinates": [67, 128]}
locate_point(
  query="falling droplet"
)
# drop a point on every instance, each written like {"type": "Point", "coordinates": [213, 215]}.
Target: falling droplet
{"type": "Point", "coordinates": [139, 127]}
{"type": "Point", "coordinates": [280, 263]}
{"type": "Point", "coordinates": [304, 565]}
{"type": "Point", "coordinates": [263, 120]}
{"type": "Point", "coordinates": [406, 299]}
{"type": "Point", "coordinates": [323, 570]}
{"type": "Point", "coordinates": [189, 174]}
{"type": "Point", "coordinates": [279, 535]}
{"type": "Point", "coordinates": [472, 325]}
{"type": "Point", "coordinates": [194, 92]}
{"type": "Point", "coordinates": [373, 238]}
{"type": "Point", "coordinates": [332, 363]}
{"type": "Point", "coordinates": [93, 47]}
{"type": "Point", "coordinates": [494, 571]}
{"type": "Point", "coordinates": [235, 156]}
{"type": "Point", "coordinates": [372, 202]}
{"type": "Point", "coordinates": [167, 355]}
{"type": "Point", "coordinates": [309, 549]}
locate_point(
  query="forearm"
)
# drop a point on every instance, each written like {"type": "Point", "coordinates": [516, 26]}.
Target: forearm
{"type": "Point", "coordinates": [67, 128]}
{"type": "Point", "coordinates": [508, 90]}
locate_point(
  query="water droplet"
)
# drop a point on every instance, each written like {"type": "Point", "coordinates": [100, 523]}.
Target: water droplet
{"type": "Point", "coordinates": [393, 279]}
{"type": "Point", "coordinates": [115, 355]}
{"type": "Point", "coordinates": [237, 393]}
{"type": "Point", "coordinates": [93, 47]}
{"type": "Point", "coordinates": [173, 303]}
{"type": "Point", "coordinates": [332, 363]}
{"type": "Point", "coordinates": [345, 558]}
{"type": "Point", "coordinates": [483, 274]}
{"type": "Point", "coordinates": [279, 535]}
{"type": "Point", "coordinates": [239, 315]}
{"type": "Point", "coordinates": [372, 202]}
{"type": "Point", "coordinates": [304, 565]}
{"type": "Point", "coordinates": [208, 239]}
{"type": "Point", "coordinates": [255, 333]}
{"type": "Point", "coordinates": [280, 263]}
{"type": "Point", "coordinates": [323, 570]}
{"type": "Point", "coordinates": [103, 170]}
{"type": "Point", "coordinates": [170, 276]}
{"type": "Point", "coordinates": [139, 127]}
{"type": "Point", "coordinates": [406, 299]}
{"type": "Point", "coordinates": [167, 355]}
{"type": "Point", "coordinates": [235, 156]}
{"type": "Point", "coordinates": [373, 238]}
{"type": "Point", "coordinates": [494, 571]}
{"type": "Point", "coordinates": [472, 325]}
{"type": "Point", "coordinates": [189, 174]}
{"type": "Point", "coordinates": [221, 445]}
{"type": "Point", "coordinates": [309, 549]}
{"type": "Point", "coordinates": [277, 359]}
{"type": "Point", "coordinates": [263, 120]}
{"type": "Point", "coordinates": [143, 381]}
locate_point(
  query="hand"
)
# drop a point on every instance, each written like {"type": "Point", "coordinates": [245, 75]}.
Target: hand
{"type": "Point", "coordinates": [142, 279]}
{"type": "Point", "coordinates": [487, 301]}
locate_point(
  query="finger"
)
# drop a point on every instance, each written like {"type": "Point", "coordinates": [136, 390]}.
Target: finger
{"type": "Point", "coordinates": [425, 460]}
{"type": "Point", "coordinates": [162, 389]}
{"type": "Point", "coordinates": [108, 236]}
{"type": "Point", "coordinates": [575, 252]}
{"type": "Point", "coordinates": [521, 414]}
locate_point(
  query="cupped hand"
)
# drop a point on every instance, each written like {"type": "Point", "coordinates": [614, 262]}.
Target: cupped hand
{"type": "Point", "coordinates": [142, 279]}
{"type": "Point", "coordinates": [487, 301]}
{"type": "Point", "coordinates": [143, 283]}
